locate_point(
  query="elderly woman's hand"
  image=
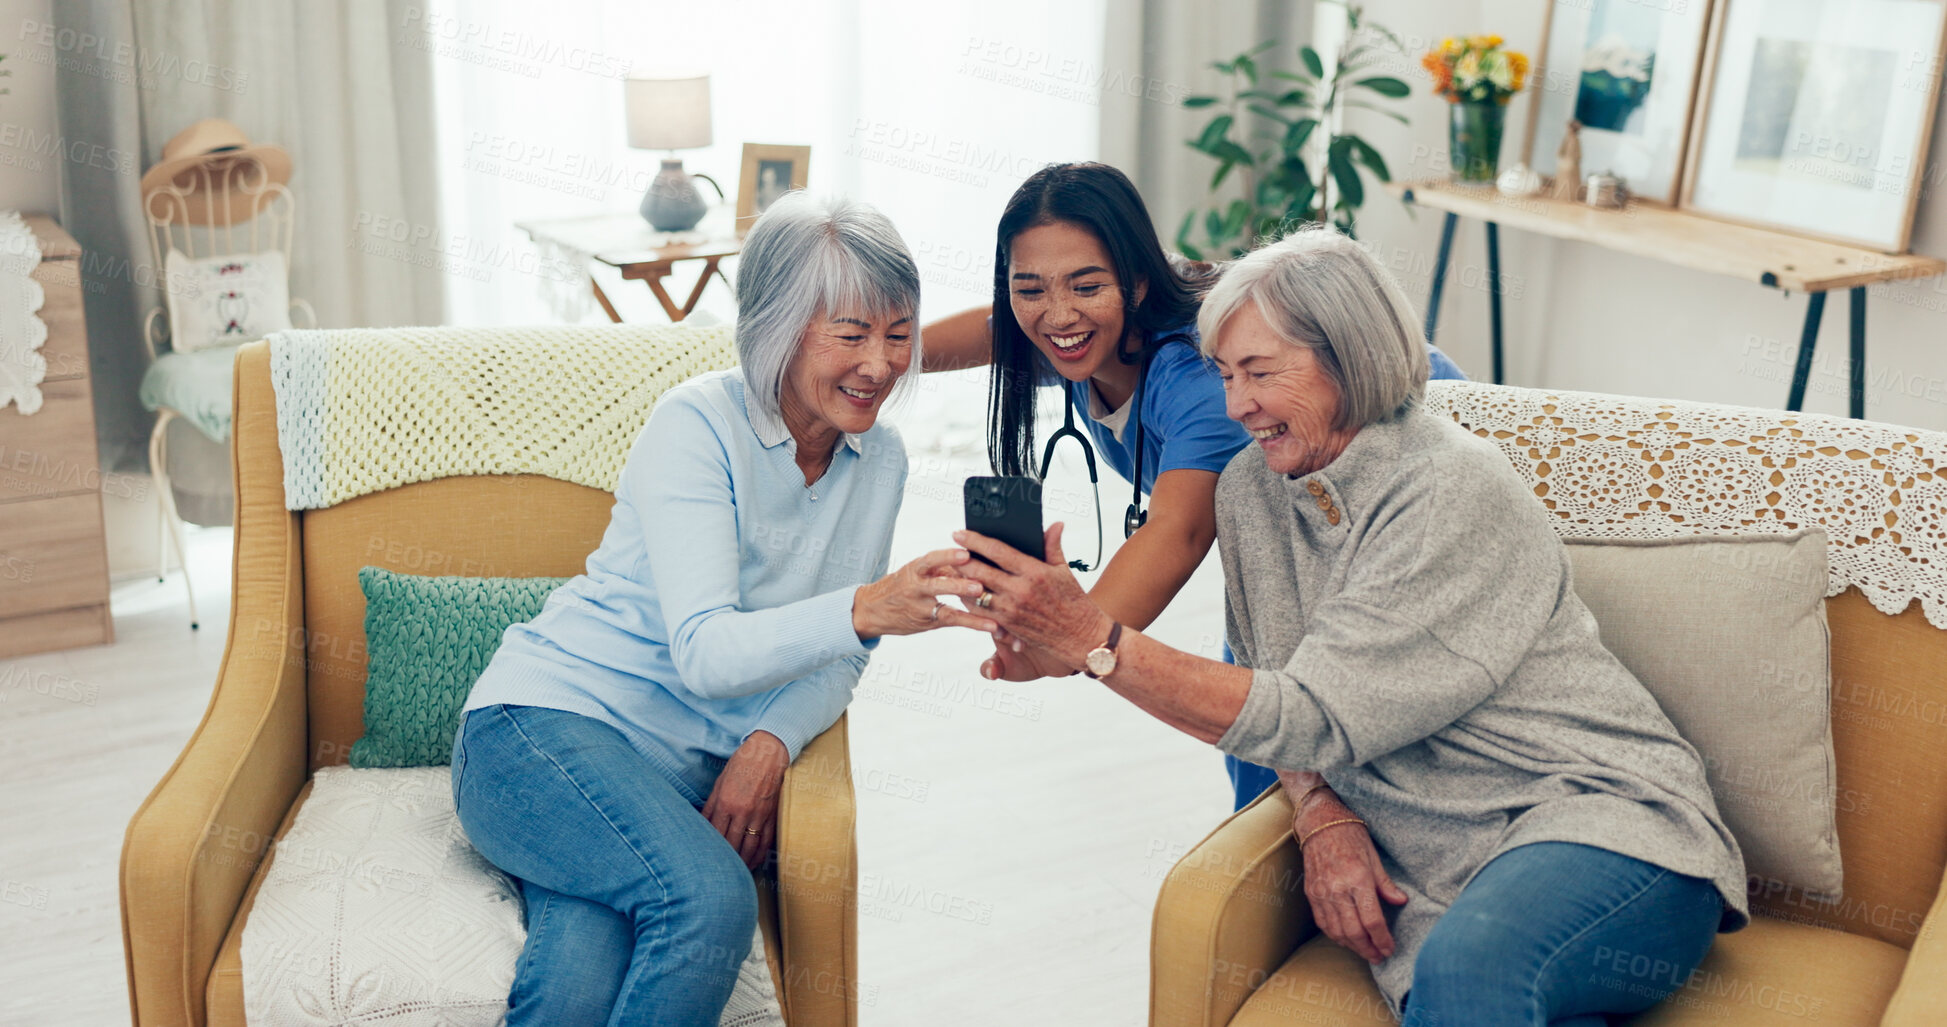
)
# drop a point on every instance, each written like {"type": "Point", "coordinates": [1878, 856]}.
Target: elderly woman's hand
{"type": "Point", "coordinates": [1015, 662]}
{"type": "Point", "coordinates": [743, 803]}
{"type": "Point", "coordinates": [1038, 602]}
{"type": "Point", "coordinates": [1344, 879]}
{"type": "Point", "coordinates": [906, 602]}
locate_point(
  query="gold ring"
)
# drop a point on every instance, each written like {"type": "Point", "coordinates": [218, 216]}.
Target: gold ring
{"type": "Point", "coordinates": [751, 830]}
{"type": "Point", "coordinates": [986, 601]}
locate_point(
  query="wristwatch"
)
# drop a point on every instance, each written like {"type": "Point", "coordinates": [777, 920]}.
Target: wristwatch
{"type": "Point", "coordinates": [1100, 662]}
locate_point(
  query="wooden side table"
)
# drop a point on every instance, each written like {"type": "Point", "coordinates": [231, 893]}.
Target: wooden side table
{"type": "Point", "coordinates": [1775, 260]}
{"type": "Point", "coordinates": [53, 556]}
{"type": "Point", "coordinates": [627, 243]}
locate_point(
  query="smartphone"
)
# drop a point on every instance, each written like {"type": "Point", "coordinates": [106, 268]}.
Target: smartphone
{"type": "Point", "coordinates": [1007, 508]}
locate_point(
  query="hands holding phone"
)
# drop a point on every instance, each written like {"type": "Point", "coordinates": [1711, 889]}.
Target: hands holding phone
{"type": "Point", "coordinates": [907, 601]}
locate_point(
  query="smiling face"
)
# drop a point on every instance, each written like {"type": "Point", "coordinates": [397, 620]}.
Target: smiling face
{"type": "Point", "coordinates": [1064, 293]}
{"type": "Point", "coordinates": [1280, 392]}
{"type": "Point", "coordinates": [842, 372]}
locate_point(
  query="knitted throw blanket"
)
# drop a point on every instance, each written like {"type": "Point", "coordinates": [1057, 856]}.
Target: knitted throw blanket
{"type": "Point", "coordinates": [368, 409]}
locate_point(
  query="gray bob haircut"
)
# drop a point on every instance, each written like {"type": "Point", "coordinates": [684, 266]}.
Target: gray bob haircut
{"type": "Point", "coordinates": [1319, 289]}
{"type": "Point", "coordinates": [806, 257]}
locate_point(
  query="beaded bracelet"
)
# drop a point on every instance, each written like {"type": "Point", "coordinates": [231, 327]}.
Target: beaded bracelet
{"type": "Point", "coordinates": [1313, 833]}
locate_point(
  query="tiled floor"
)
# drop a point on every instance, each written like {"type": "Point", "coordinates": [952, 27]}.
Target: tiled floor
{"type": "Point", "coordinates": [1012, 836]}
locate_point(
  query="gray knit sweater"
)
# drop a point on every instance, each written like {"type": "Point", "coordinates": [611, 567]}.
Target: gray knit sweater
{"type": "Point", "coordinates": [1415, 637]}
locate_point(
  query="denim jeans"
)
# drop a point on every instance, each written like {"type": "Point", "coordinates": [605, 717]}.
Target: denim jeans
{"type": "Point", "coordinates": [1557, 934]}
{"type": "Point", "coordinates": [638, 911]}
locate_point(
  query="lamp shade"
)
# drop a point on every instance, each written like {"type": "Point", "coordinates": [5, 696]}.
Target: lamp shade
{"type": "Point", "coordinates": [668, 113]}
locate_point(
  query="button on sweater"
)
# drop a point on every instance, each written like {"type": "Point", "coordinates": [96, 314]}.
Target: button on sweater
{"type": "Point", "coordinates": [719, 602]}
{"type": "Point", "coordinates": [1415, 637]}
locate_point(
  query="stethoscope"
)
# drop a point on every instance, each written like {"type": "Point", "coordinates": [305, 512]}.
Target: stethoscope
{"type": "Point", "coordinates": [1132, 518]}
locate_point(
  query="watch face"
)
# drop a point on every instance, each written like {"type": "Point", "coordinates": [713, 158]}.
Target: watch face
{"type": "Point", "coordinates": [1101, 661]}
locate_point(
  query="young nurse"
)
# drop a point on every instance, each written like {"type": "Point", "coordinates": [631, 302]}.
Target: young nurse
{"type": "Point", "coordinates": [1085, 298]}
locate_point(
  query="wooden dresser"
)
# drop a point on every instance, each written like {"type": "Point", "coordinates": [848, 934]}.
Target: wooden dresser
{"type": "Point", "coordinates": [53, 558]}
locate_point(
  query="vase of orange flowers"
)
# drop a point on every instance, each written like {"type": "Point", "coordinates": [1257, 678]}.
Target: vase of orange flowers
{"type": "Point", "coordinates": [1478, 78]}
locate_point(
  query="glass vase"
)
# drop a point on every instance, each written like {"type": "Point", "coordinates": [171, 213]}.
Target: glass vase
{"type": "Point", "coordinates": [1474, 141]}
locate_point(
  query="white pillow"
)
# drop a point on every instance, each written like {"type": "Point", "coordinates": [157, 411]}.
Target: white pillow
{"type": "Point", "coordinates": [217, 301]}
{"type": "Point", "coordinates": [375, 903]}
{"type": "Point", "coordinates": [1728, 633]}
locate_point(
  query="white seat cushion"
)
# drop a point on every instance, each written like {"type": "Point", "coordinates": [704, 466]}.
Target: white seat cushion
{"type": "Point", "coordinates": [376, 909]}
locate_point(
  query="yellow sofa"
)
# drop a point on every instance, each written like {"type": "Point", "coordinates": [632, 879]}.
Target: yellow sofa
{"type": "Point", "coordinates": [1233, 941]}
{"type": "Point", "coordinates": [289, 700]}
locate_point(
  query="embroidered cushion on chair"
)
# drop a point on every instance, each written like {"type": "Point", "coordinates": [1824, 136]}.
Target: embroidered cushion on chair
{"type": "Point", "coordinates": [215, 301]}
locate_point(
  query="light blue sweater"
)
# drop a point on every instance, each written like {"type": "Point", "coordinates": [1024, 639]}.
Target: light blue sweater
{"type": "Point", "coordinates": [720, 600]}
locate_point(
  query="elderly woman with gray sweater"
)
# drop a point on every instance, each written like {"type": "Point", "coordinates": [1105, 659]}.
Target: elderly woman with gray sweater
{"type": "Point", "coordinates": [1411, 648]}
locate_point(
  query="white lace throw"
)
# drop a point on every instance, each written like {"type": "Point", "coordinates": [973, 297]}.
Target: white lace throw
{"type": "Point", "coordinates": [21, 329]}
{"type": "Point", "coordinates": [376, 910]}
{"type": "Point", "coordinates": [1622, 467]}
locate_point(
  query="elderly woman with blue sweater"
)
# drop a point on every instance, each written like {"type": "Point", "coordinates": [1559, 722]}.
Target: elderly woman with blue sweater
{"type": "Point", "coordinates": [1406, 627]}
{"type": "Point", "coordinates": [622, 754]}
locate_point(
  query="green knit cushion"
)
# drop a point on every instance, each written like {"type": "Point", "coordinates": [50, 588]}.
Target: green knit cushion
{"type": "Point", "coordinates": [427, 639]}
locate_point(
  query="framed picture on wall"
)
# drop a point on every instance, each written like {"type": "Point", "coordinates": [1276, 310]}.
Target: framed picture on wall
{"type": "Point", "coordinates": [769, 172]}
{"type": "Point", "coordinates": [1817, 115]}
{"type": "Point", "coordinates": [1627, 71]}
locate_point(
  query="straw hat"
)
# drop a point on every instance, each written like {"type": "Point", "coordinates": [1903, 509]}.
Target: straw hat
{"type": "Point", "coordinates": [214, 158]}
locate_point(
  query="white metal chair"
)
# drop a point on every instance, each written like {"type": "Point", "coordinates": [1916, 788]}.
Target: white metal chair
{"type": "Point", "coordinates": [223, 207]}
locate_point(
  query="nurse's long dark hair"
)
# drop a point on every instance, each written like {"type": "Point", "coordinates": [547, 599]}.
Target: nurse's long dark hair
{"type": "Point", "coordinates": [1102, 200]}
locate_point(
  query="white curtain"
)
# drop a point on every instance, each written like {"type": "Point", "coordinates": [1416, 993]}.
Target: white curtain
{"type": "Point", "coordinates": [1172, 45]}
{"type": "Point", "coordinates": [346, 87]}
{"type": "Point", "coordinates": [933, 112]}
{"type": "Point", "coordinates": [340, 85]}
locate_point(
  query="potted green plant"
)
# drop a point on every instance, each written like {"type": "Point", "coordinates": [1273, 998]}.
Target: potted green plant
{"type": "Point", "coordinates": [1294, 166]}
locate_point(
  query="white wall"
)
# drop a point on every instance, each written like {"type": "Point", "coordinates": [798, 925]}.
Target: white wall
{"type": "Point", "coordinates": [1580, 317]}
{"type": "Point", "coordinates": [28, 175]}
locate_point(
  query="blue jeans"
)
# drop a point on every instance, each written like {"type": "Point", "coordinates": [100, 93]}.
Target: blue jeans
{"type": "Point", "coordinates": [638, 911]}
{"type": "Point", "coordinates": [1556, 934]}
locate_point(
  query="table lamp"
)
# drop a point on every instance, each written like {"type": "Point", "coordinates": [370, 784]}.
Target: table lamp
{"type": "Point", "coordinates": [670, 114]}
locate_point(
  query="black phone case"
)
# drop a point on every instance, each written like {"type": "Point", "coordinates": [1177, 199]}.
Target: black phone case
{"type": "Point", "coordinates": [1007, 508]}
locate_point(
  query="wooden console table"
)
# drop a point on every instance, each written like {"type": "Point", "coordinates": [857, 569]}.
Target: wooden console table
{"type": "Point", "coordinates": [627, 243]}
{"type": "Point", "coordinates": [1771, 259]}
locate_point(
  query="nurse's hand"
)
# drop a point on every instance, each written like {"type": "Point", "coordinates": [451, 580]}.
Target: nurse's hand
{"type": "Point", "coordinates": [743, 804]}
{"type": "Point", "coordinates": [907, 601]}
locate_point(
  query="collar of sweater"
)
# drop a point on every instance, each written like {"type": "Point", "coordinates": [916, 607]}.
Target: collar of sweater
{"type": "Point", "coordinates": [1365, 470]}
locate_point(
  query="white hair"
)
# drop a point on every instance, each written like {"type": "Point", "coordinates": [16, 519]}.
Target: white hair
{"type": "Point", "coordinates": [1319, 289]}
{"type": "Point", "coordinates": [806, 257]}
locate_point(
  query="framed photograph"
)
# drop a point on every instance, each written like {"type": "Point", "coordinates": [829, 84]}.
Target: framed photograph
{"type": "Point", "coordinates": [1627, 71]}
{"type": "Point", "coordinates": [769, 172]}
{"type": "Point", "coordinates": [1817, 115]}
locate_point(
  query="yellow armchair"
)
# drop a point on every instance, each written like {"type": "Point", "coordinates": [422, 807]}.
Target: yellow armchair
{"type": "Point", "coordinates": [289, 700]}
{"type": "Point", "coordinates": [1234, 942]}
